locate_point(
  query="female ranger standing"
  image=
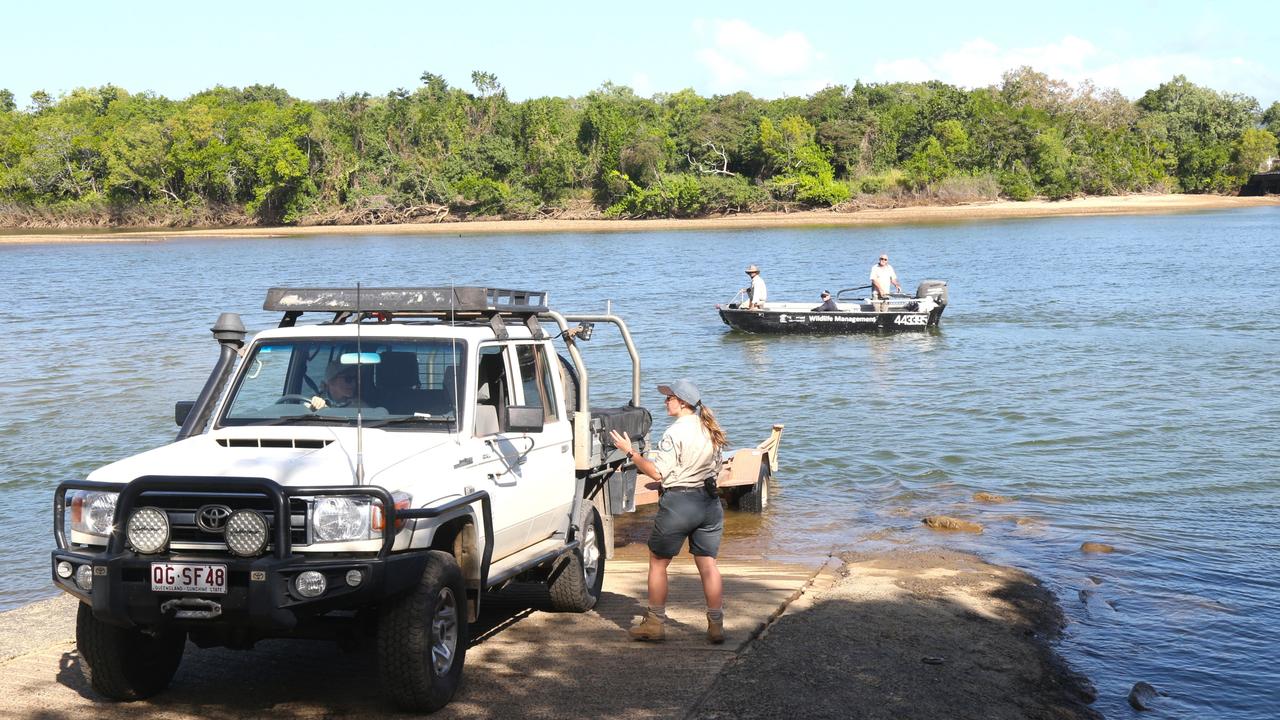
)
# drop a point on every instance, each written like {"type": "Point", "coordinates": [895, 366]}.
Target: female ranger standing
{"type": "Point", "coordinates": [686, 462]}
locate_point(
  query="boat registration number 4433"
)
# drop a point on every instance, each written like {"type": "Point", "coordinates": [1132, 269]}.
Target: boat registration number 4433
{"type": "Point", "coordinates": [191, 578]}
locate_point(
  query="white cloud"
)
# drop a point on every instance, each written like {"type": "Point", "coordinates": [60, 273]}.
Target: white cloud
{"type": "Point", "coordinates": [979, 62]}
{"type": "Point", "coordinates": [739, 56]}
{"type": "Point", "coordinates": [642, 84]}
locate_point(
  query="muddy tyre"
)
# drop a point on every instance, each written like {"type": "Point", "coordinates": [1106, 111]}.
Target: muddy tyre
{"type": "Point", "coordinates": [126, 663]}
{"type": "Point", "coordinates": [577, 578]}
{"type": "Point", "coordinates": [756, 498]}
{"type": "Point", "coordinates": [423, 636]}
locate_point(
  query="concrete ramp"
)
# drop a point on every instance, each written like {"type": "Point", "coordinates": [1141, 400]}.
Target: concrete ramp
{"type": "Point", "coordinates": [523, 661]}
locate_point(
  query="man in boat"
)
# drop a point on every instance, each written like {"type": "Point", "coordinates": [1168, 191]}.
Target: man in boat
{"type": "Point", "coordinates": [882, 276]}
{"type": "Point", "coordinates": [828, 305]}
{"type": "Point", "coordinates": [757, 293]}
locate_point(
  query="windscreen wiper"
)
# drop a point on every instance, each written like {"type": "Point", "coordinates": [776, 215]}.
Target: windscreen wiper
{"type": "Point", "coordinates": [311, 417]}
{"type": "Point", "coordinates": [415, 419]}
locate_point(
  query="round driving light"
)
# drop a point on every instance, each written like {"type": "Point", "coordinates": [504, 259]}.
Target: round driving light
{"type": "Point", "coordinates": [84, 577]}
{"type": "Point", "coordinates": [246, 533]}
{"type": "Point", "coordinates": [354, 577]}
{"type": "Point", "coordinates": [310, 584]}
{"type": "Point", "coordinates": [148, 530]}
{"type": "Point", "coordinates": [64, 569]}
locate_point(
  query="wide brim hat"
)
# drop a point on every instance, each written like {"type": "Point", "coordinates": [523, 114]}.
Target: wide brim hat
{"type": "Point", "coordinates": [335, 368]}
{"type": "Point", "coordinates": [752, 269]}
{"type": "Point", "coordinates": [684, 390]}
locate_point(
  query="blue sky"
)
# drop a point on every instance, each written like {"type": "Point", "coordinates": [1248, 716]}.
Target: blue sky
{"type": "Point", "coordinates": [320, 49]}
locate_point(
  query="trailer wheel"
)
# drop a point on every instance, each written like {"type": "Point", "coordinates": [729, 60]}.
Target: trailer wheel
{"type": "Point", "coordinates": [577, 579]}
{"type": "Point", "coordinates": [126, 663]}
{"type": "Point", "coordinates": [756, 498]}
{"type": "Point", "coordinates": [423, 636]}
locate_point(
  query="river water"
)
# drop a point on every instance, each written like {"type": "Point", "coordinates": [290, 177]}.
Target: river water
{"type": "Point", "coordinates": [1113, 375]}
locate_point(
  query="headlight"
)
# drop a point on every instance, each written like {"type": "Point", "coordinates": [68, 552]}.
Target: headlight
{"type": "Point", "coordinates": [335, 519]}
{"type": "Point", "coordinates": [92, 512]}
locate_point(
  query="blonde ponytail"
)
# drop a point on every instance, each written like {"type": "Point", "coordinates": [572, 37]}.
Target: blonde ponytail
{"type": "Point", "coordinates": [714, 431]}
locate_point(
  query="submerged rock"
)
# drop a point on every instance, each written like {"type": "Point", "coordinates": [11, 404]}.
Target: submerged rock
{"type": "Point", "coordinates": [987, 497]}
{"type": "Point", "coordinates": [1142, 696]}
{"type": "Point", "coordinates": [944, 522]}
{"type": "Point", "coordinates": [1096, 547]}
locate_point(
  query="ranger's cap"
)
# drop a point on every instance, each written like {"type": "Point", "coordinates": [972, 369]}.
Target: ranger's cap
{"type": "Point", "coordinates": [684, 389]}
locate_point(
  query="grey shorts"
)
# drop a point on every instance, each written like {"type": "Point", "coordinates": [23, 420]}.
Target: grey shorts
{"type": "Point", "coordinates": [691, 514]}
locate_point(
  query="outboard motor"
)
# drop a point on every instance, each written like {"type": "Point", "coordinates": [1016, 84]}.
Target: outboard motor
{"type": "Point", "coordinates": [936, 289]}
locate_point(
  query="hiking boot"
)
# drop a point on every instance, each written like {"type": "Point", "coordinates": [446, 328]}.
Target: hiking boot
{"type": "Point", "coordinates": [651, 629]}
{"type": "Point", "coordinates": [715, 630]}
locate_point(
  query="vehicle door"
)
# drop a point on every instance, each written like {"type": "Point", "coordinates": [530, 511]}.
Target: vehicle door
{"type": "Point", "coordinates": [549, 466]}
{"type": "Point", "coordinates": [499, 457]}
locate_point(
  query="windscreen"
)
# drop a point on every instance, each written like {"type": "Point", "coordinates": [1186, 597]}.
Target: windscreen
{"type": "Point", "coordinates": [395, 383]}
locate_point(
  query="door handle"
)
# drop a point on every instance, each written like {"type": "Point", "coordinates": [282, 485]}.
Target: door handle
{"type": "Point", "coordinates": [493, 477]}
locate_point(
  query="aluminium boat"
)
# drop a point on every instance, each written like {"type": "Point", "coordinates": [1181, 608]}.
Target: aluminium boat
{"type": "Point", "coordinates": [899, 313]}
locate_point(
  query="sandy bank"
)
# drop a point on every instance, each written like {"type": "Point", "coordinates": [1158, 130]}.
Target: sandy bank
{"type": "Point", "coordinates": [1117, 205]}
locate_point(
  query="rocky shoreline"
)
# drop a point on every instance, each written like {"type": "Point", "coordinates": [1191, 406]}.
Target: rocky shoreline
{"type": "Point", "coordinates": [924, 633]}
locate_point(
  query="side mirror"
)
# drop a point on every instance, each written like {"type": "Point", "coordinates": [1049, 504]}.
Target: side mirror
{"type": "Point", "coordinates": [523, 418]}
{"type": "Point", "coordinates": [181, 410]}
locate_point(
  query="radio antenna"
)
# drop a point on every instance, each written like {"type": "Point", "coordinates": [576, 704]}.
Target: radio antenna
{"type": "Point", "coordinates": [359, 396]}
{"type": "Point", "coordinates": [453, 352]}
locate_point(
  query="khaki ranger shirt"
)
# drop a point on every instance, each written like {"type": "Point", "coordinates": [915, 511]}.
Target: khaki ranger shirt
{"type": "Point", "coordinates": [685, 456]}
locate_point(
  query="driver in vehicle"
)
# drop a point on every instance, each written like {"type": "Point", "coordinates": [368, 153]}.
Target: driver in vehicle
{"type": "Point", "coordinates": [338, 388]}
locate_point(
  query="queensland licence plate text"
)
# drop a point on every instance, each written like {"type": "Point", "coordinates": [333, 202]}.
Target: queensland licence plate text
{"type": "Point", "coordinates": [181, 577]}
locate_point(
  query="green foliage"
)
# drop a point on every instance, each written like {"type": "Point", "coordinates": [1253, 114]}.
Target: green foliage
{"type": "Point", "coordinates": [1016, 183]}
{"type": "Point", "coordinates": [1254, 149]}
{"type": "Point", "coordinates": [668, 196]}
{"type": "Point", "coordinates": [1271, 119]}
{"type": "Point", "coordinates": [259, 151]}
{"type": "Point", "coordinates": [1202, 128]}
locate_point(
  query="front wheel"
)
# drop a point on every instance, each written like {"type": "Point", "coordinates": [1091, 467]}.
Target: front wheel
{"type": "Point", "coordinates": [126, 663]}
{"type": "Point", "coordinates": [423, 636]}
{"type": "Point", "coordinates": [577, 578]}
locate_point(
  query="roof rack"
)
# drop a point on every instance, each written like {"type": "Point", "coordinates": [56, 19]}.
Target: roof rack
{"type": "Point", "coordinates": [441, 302]}
{"type": "Point", "coordinates": [406, 300]}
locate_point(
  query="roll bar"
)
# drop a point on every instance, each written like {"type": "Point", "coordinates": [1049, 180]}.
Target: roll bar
{"type": "Point", "coordinates": [562, 321]}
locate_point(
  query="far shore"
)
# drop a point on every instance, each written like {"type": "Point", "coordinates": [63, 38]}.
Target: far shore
{"type": "Point", "coordinates": [996, 210]}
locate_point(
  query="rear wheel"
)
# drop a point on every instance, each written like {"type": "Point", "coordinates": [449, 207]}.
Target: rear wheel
{"type": "Point", "coordinates": [423, 636]}
{"type": "Point", "coordinates": [126, 663]}
{"type": "Point", "coordinates": [756, 498]}
{"type": "Point", "coordinates": [577, 578]}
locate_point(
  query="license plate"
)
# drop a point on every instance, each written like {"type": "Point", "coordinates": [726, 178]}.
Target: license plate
{"type": "Point", "coordinates": [188, 578]}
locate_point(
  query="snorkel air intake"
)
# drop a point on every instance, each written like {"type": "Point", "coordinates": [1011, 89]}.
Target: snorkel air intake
{"type": "Point", "coordinates": [229, 332]}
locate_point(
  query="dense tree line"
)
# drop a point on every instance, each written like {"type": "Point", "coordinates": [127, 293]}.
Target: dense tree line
{"type": "Point", "coordinates": [258, 154]}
